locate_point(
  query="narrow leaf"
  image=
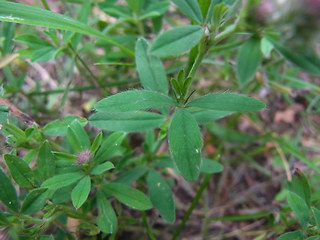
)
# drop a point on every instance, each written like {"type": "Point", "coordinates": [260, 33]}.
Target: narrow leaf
{"type": "Point", "coordinates": [45, 161]}
{"type": "Point", "coordinates": [8, 194]}
{"type": "Point", "coordinates": [107, 219]}
{"type": "Point", "coordinates": [126, 121]}
{"type": "Point", "coordinates": [109, 146]}
{"type": "Point", "coordinates": [161, 196]}
{"type": "Point", "coordinates": [185, 144]}
{"type": "Point", "coordinates": [59, 127]}
{"type": "Point", "coordinates": [96, 143]}
{"type": "Point", "coordinates": [227, 102]}
{"type": "Point", "coordinates": [24, 14]}
{"type": "Point", "coordinates": [248, 60]}
{"type": "Point", "coordinates": [176, 40]}
{"type": "Point", "coordinates": [299, 207]}
{"type": "Point", "coordinates": [151, 71]}
{"type": "Point", "coordinates": [210, 166]}
{"type": "Point", "coordinates": [155, 9]}
{"type": "Point", "coordinates": [99, 169]}
{"type": "Point", "coordinates": [296, 235]}
{"type": "Point", "coordinates": [316, 215]}
{"type": "Point", "coordinates": [81, 192]}
{"type": "Point", "coordinates": [191, 9]}
{"type": "Point", "coordinates": [34, 201]}
{"type": "Point", "coordinates": [62, 180]}
{"type": "Point", "coordinates": [310, 64]}
{"type": "Point", "coordinates": [73, 140]}
{"type": "Point", "coordinates": [20, 171]}
{"type": "Point", "coordinates": [300, 185]}
{"type": "Point", "coordinates": [130, 176]}
{"type": "Point", "coordinates": [128, 196]}
{"type": "Point", "coordinates": [80, 135]}
{"type": "Point", "coordinates": [133, 101]}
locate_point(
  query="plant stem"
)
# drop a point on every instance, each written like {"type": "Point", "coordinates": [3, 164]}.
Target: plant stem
{"type": "Point", "coordinates": [192, 206]}
{"type": "Point", "coordinates": [226, 33]}
{"type": "Point", "coordinates": [144, 218]}
{"type": "Point", "coordinates": [203, 48]}
{"type": "Point", "coordinates": [84, 64]}
{"type": "Point", "coordinates": [45, 4]}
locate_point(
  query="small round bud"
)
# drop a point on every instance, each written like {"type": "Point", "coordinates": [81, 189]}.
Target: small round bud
{"type": "Point", "coordinates": [83, 157]}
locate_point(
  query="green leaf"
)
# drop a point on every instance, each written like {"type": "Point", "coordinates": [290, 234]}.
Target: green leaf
{"type": "Point", "coordinates": [107, 219]}
{"type": "Point", "coordinates": [128, 196]}
{"type": "Point", "coordinates": [135, 5]}
{"type": "Point", "coordinates": [210, 166]}
{"type": "Point", "coordinates": [3, 219]}
{"type": "Point", "coordinates": [316, 215]}
{"type": "Point", "coordinates": [10, 129]}
{"type": "Point", "coordinates": [8, 194]}
{"type": "Point", "coordinates": [109, 146]}
{"type": "Point", "coordinates": [248, 60]}
{"type": "Point", "coordinates": [45, 161]}
{"type": "Point", "coordinates": [155, 9]}
{"type": "Point", "coordinates": [296, 235]}
{"type": "Point", "coordinates": [207, 116]}
{"type": "Point", "coordinates": [32, 41]}
{"type": "Point", "coordinates": [65, 157]}
{"type": "Point", "coordinates": [310, 64]}
{"type": "Point", "coordinates": [46, 237]}
{"type": "Point", "coordinates": [299, 207]}
{"type": "Point", "coordinates": [294, 82]}
{"type": "Point", "coordinates": [313, 238]}
{"type": "Point", "coordinates": [300, 185]}
{"type": "Point", "coordinates": [102, 168]}
{"type": "Point", "coordinates": [59, 127]}
{"type": "Point", "coordinates": [227, 102]}
{"type": "Point", "coordinates": [24, 14]}
{"type": "Point", "coordinates": [96, 143]}
{"type": "Point", "coordinates": [130, 176]}
{"type": "Point", "coordinates": [151, 72]}
{"type": "Point", "coordinates": [20, 171]}
{"type": "Point", "coordinates": [77, 136]}
{"type": "Point", "coordinates": [62, 180]}
{"type": "Point", "coordinates": [81, 192]}
{"type": "Point", "coordinates": [191, 9]}
{"type": "Point", "coordinates": [161, 196]}
{"type": "Point", "coordinates": [4, 111]}
{"type": "Point", "coordinates": [126, 121]}
{"type": "Point", "coordinates": [266, 46]}
{"type": "Point", "coordinates": [185, 144]}
{"type": "Point", "coordinates": [176, 40]}
{"type": "Point", "coordinates": [116, 11]}
{"type": "Point", "coordinates": [34, 201]}
{"type": "Point", "coordinates": [204, 7]}
{"type": "Point", "coordinates": [133, 100]}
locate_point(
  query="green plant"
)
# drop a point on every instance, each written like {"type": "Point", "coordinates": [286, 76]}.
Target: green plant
{"type": "Point", "coordinates": [65, 169]}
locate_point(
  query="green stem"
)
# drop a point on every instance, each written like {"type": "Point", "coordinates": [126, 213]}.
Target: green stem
{"type": "Point", "coordinates": [192, 206]}
{"type": "Point", "coordinates": [45, 4]}
{"type": "Point", "coordinates": [144, 218]}
{"type": "Point", "coordinates": [203, 48]}
{"type": "Point", "coordinates": [226, 33]}
{"type": "Point", "coordinates": [84, 64]}
{"type": "Point", "coordinates": [139, 24]}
